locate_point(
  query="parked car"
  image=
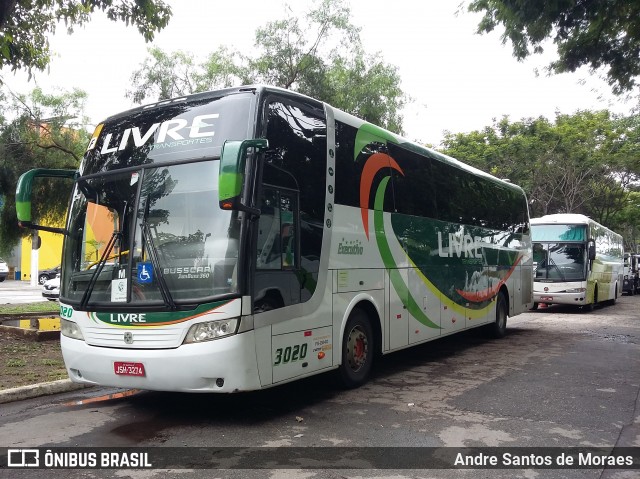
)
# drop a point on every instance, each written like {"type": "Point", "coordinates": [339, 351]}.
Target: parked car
{"type": "Point", "coordinates": [51, 289]}
{"type": "Point", "coordinates": [4, 270]}
{"type": "Point", "coordinates": [46, 274]}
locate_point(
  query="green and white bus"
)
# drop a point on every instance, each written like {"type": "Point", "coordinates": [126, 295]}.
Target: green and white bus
{"type": "Point", "coordinates": [243, 238]}
{"type": "Point", "coordinates": [576, 260]}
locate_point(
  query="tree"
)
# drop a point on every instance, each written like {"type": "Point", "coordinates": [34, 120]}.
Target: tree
{"type": "Point", "coordinates": [600, 34]}
{"type": "Point", "coordinates": [627, 223]}
{"type": "Point", "coordinates": [168, 75]}
{"type": "Point", "coordinates": [586, 162]}
{"type": "Point", "coordinates": [621, 175]}
{"type": "Point", "coordinates": [45, 131]}
{"type": "Point", "coordinates": [26, 24]}
{"type": "Point", "coordinates": [318, 54]}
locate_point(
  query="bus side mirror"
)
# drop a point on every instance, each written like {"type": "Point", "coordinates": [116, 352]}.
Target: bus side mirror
{"type": "Point", "coordinates": [24, 190]}
{"type": "Point", "coordinates": [592, 250]}
{"type": "Point", "coordinates": [231, 177]}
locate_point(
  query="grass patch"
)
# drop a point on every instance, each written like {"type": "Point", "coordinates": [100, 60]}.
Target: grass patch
{"type": "Point", "coordinates": [16, 363]}
{"type": "Point", "coordinates": [52, 362]}
{"type": "Point", "coordinates": [57, 375]}
{"type": "Point", "coordinates": [24, 362]}
{"type": "Point", "coordinates": [40, 307]}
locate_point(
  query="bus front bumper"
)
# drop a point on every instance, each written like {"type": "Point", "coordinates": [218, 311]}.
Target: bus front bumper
{"type": "Point", "coordinates": [577, 299]}
{"type": "Point", "coordinates": [224, 365]}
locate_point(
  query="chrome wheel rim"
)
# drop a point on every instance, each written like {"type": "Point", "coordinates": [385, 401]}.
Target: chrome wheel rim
{"type": "Point", "coordinates": [357, 348]}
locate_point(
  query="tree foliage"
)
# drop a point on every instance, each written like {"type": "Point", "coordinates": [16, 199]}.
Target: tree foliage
{"type": "Point", "coordinates": [587, 162]}
{"type": "Point", "coordinates": [318, 53]}
{"type": "Point", "coordinates": [38, 130]}
{"type": "Point", "coordinates": [25, 25]}
{"type": "Point", "coordinates": [598, 34]}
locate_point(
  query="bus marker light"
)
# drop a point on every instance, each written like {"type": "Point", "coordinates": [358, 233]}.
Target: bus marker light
{"type": "Point", "coordinates": [307, 333]}
{"type": "Point", "coordinates": [321, 355]}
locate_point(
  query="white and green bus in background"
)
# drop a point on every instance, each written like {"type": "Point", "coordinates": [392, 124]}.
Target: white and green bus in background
{"type": "Point", "coordinates": [239, 239]}
{"type": "Point", "coordinates": [576, 260]}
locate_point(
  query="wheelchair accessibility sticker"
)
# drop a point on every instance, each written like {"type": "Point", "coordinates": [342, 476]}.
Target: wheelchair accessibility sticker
{"type": "Point", "coordinates": [145, 273]}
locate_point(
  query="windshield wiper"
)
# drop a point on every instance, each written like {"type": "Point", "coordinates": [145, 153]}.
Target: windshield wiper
{"type": "Point", "coordinates": [94, 277]}
{"type": "Point", "coordinates": [153, 255]}
{"type": "Point", "coordinates": [558, 268]}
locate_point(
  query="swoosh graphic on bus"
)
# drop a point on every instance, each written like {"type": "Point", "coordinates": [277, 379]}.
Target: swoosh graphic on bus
{"type": "Point", "coordinates": [157, 319]}
{"type": "Point", "coordinates": [488, 293]}
{"type": "Point", "coordinates": [387, 258]}
{"type": "Point", "coordinates": [375, 163]}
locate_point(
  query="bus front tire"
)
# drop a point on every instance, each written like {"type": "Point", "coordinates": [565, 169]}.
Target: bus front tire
{"type": "Point", "coordinates": [498, 329]}
{"type": "Point", "coordinates": [357, 350]}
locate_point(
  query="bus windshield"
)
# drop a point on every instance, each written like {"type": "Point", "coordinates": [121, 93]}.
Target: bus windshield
{"type": "Point", "coordinates": [560, 261]}
{"type": "Point", "coordinates": [175, 245]}
{"type": "Point", "coordinates": [559, 233]}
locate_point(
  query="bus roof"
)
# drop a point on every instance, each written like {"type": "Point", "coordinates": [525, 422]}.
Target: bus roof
{"type": "Point", "coordinates": [562, 219]}
{"type": "Point", "coordinates": [259, 89]}
{"type": "Point", "coordinates": [256, 89]}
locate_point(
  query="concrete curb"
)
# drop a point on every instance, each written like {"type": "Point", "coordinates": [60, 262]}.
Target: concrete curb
{"type": "Point", "coordinates": [36, 390]}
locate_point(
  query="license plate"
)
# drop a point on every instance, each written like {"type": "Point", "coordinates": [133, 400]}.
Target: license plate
{"type": "Point", "coordinates": [546, 298]}
{"type": "Point", "coordinates": [128, 369]}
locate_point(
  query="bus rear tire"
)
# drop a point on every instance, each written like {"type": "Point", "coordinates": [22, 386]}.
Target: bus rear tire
{"type": "Point", "coordinates": [358, 345]}
{"type": "Point", "coordinates": [498, 329]}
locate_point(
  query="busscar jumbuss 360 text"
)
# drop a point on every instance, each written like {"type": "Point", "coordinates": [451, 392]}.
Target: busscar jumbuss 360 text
{"type": "Point", "coordinates": [239, 239]}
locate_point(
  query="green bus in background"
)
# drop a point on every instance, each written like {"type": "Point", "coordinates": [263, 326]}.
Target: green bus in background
{"type": "Point", "coordinates": [576, 260]}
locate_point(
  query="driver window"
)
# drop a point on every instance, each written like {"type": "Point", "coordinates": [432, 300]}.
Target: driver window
{"type": "Point", "coordinates": [277, 238]}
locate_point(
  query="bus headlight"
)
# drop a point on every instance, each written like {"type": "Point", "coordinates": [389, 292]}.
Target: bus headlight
{"type": "Point", "coordinates": [211, 330]}
{"type": "Point", "coordinates": [576, 290]}
{"type": "Point", "coordinates": [70, 329]}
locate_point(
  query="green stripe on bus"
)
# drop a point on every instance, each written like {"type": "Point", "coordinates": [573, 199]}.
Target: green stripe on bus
{"type": "Point", "coordinates": [389, 263]}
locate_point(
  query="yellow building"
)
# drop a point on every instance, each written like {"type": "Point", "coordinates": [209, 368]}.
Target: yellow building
{"type": "Point", "coordinates": [49, 253]}
{"type": "Point", "coordinates": [99, 227]}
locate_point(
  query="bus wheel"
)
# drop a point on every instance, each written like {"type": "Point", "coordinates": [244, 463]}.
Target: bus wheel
{"type": "Point", "coordinates": [498, 328]}
{"type": "Point", "coordinates": [357, 350]}
{"type": "Point", "coordinates": [534, 307]}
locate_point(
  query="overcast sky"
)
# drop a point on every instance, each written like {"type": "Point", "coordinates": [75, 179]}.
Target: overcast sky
{"type": "Point", "coordinates": [459, 81]}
